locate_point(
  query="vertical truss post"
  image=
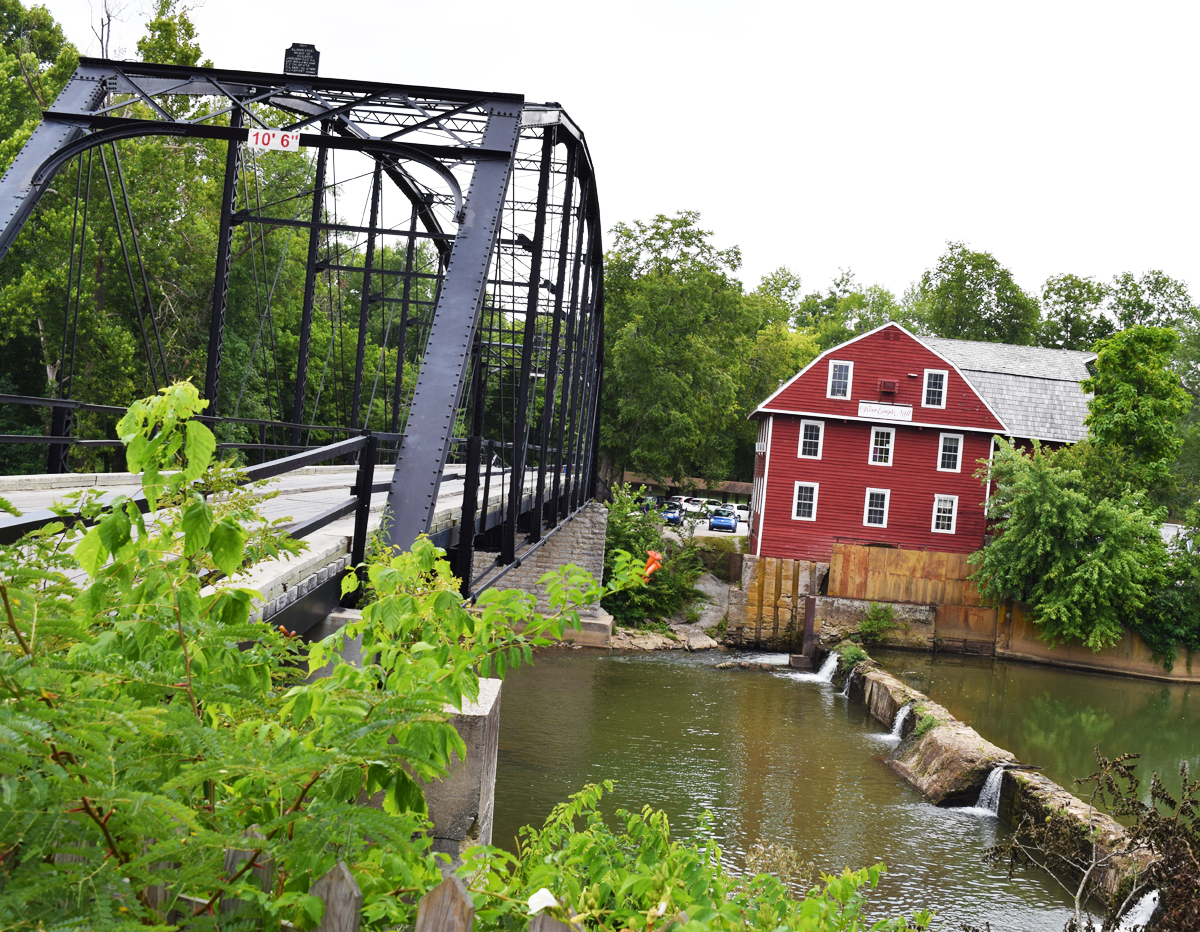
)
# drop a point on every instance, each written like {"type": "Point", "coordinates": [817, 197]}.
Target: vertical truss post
{"type": "Point", "coordinates": [579, 378]}
{"type": "Point", "coordinates": [550, 408]}
{"type": "Point", "coordinates": [362, 512]}
{"type": "Point", "coordinates": [592, 396]}
{"type": "Point", "coordinates": [470, 504]}
{"type": "Point", "coordinates": [310, 290]}
{"type": "Point", "coordinates": [216, 322]}
{"type": "Point", "coordinates": [593, 460]}
{"type": "Point", "coordinates": [569, 366]}
{"type": "Point", "coordinates": [364, 312]}
{"type": "Point", "coordinates": [413, 494]}
{"type": "Point", "coordinates": [587, 396]}
{"type": "Point", "coordinates": [516, 486]}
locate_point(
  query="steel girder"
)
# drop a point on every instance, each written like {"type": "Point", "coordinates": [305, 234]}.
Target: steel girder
{"type": "Point", "coordinates": [507, 363]}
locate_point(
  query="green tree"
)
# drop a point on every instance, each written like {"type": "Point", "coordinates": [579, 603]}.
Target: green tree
{"type": "Point", "coordinates": [35, 62]}
{"type": "Point", "coordinates": [1153, 299]}
{"type": "Point", "coordinates": [1085, 564]}
{"type": "Point", "coordinates": [1074, 313]}
{"type": "Point", "coordinates": [677, 328]}
{"type": "Point", "coordinates": [971, 296]}
{"type": "Point", "coordinates": [1137, 399]}
{"type": "Point", "coordinates": [170, 37]}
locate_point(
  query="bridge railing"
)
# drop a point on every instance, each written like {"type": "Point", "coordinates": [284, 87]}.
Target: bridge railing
{"type": "Point", "coordinates": [365, 447]}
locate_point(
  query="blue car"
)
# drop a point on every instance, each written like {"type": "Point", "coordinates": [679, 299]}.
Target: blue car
{"type": "Point", "coordinates": [672, 516]}
{"type": "Point", "coordinates": [723, 519]}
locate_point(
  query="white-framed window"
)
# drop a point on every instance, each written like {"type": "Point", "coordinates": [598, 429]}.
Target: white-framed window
{"type": "Point", "coordinates": [812, 436]}
{"type": "Point", "coordinates": [756, 495]}
{"type": "Point", "coordinates": [804, 501]}
{"type": "Point", "coordinates": [875, 507]}
{"type": "Point", "coordinates": [945, 514]}
{"type": "Point", "coordinates": [935, 388]}
{"type": "Point", "coordinates": [950, 452]}
{"type": "Point", "coordinates": [841, 377]}
{"type": "Point", "coordinates": [883, 446]}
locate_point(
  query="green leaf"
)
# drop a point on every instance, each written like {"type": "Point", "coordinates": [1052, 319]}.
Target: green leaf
{"type": "Point", "coordinates": [7, 506]}
{"type": "Point", "coordinates": [135, 453]}
{"type": "Point", "coordinates": [199, 449]}
{"type": "Point", "coordinates": [197, 526]}
{"type": "Point", "coordinates": [114, 531]}
{"type": "Point", "coordinates": [90, 552]}
{"type": "Point", "coordinates": [227, 544]}
{"type": "Point", "coordinates": [404, 795]}
{"type": "Point", "coordinates": [349, 582]}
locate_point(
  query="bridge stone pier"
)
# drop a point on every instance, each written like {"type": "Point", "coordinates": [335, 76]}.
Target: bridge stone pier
{"type": "Point", "coordinates": [579, 542]}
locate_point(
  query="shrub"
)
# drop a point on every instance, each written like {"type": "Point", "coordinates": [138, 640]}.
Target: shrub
{"type": "Point", "coordinates": [638, 532]}
{"type": "Point", "coordinates": [634, 877]}
{"type": "Point", "coordinates": [877, 622]}
{"type": "Point", "coordinates": [851, 655]}
{"type": "Point", "coordinates": [925, 722]}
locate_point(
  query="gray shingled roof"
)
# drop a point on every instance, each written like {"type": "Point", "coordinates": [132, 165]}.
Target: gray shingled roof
{"type": "Point", "coordinates": [1034, 390]}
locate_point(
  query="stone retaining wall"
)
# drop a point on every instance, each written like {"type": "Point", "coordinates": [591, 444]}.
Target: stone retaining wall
{"type": "Point", "coordinates": [581, 541]}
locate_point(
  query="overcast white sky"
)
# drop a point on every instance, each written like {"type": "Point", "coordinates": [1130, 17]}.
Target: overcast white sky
{"type": "Point", "coordinates": [819, 135]}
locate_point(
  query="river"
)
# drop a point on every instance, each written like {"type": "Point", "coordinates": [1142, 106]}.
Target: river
{"type": "Point", "coordinates": [772, 755]}
{"type": "Point", "coordinates": [1054, 717]}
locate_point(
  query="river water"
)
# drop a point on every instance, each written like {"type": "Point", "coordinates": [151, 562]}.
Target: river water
{"type": "Point", "coordinates": [773, 756]}
{"type": "Point", "coordinates": [1054, 718]}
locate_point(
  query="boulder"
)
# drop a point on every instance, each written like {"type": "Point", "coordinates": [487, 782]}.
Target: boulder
{"type": "Point", "coordinates": [693, 637]}
{"type": "Point", "coordinates": [950, 762]}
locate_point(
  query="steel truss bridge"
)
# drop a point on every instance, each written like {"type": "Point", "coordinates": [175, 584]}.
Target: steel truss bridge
{"type": "Point", "coordinates": [499, 197]}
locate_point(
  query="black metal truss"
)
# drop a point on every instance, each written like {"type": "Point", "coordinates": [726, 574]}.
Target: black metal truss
{"type": "Point", "coordinates": [507, 349]}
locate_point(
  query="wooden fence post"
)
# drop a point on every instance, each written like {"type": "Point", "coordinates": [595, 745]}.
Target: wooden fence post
{"type": "Point", "coordinates": [343, 900]}
{"type": "Point", "coordinates": [544, 922]}
{"type": "Point", "coordinates": [263, 872]}
{"type": "Point", "coordinates": [446, 908]}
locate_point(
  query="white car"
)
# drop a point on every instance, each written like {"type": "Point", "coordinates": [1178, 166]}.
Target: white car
{"type": "Point", "coordinates": [743, 512]}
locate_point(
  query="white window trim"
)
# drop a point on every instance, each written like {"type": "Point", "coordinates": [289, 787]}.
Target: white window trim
{"type": "Point", "coordinates": [820, 440]}
{"type": "Point", "coordinates": [816, 487]}
{"type": "Point", "coordinates": [953, 517]}
{"type": "Point", "coordinates": [941, 441]}
{"type": "Point", "coordinates": [945, 374]}
{"type": "Point", "coordinates": [762, 511]}
{"type": "Point", "coordinates": [887, 506]}
{"type": "Point", "coordinates": [849, 380]}
{"type": "Point", "coordinates": [891, 446]}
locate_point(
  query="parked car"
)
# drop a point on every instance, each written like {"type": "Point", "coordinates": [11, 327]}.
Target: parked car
{"type": "Point", "coordinates": [673, 515]}
{"type": "Point", "coordinates": [723, 519]}
{"type": "Point", "coordinates": [702, 506]}
{"type": "Point", "coordinates": [743, 512]}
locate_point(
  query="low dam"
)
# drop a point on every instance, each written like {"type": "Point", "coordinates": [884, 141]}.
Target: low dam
{"type": "Point", "coordinates": [778, 757]}
{"type": "Point", "coordinates": [1055, 717]}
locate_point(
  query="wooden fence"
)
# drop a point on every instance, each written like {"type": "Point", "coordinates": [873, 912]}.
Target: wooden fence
{"type": "Point", "coordinates": [880, 574]}
{"type": "Point", "coordinates": [446, 908]}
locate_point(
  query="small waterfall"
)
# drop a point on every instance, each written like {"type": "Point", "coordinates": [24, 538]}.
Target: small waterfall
{"type": "Point", "coordinates": [902, 715]}
{"type": "Point", "coordinates": [988, 806]}
{"type": "Point", "coordinates": [1142, 912]}
{"type": "Point", "coordinates": [828, 668]}
{"type": "Point", "coordinates": [989, 796]}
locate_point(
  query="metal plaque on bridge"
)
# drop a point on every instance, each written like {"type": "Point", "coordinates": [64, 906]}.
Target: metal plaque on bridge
{"type": "Point", "coordinates": [301, 58]}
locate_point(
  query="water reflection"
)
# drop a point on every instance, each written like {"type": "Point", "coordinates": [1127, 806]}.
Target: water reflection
{"type": "Point", "coordinates": [1054, 718]}
{"type": "Point", "coordinates": [772, 757]}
